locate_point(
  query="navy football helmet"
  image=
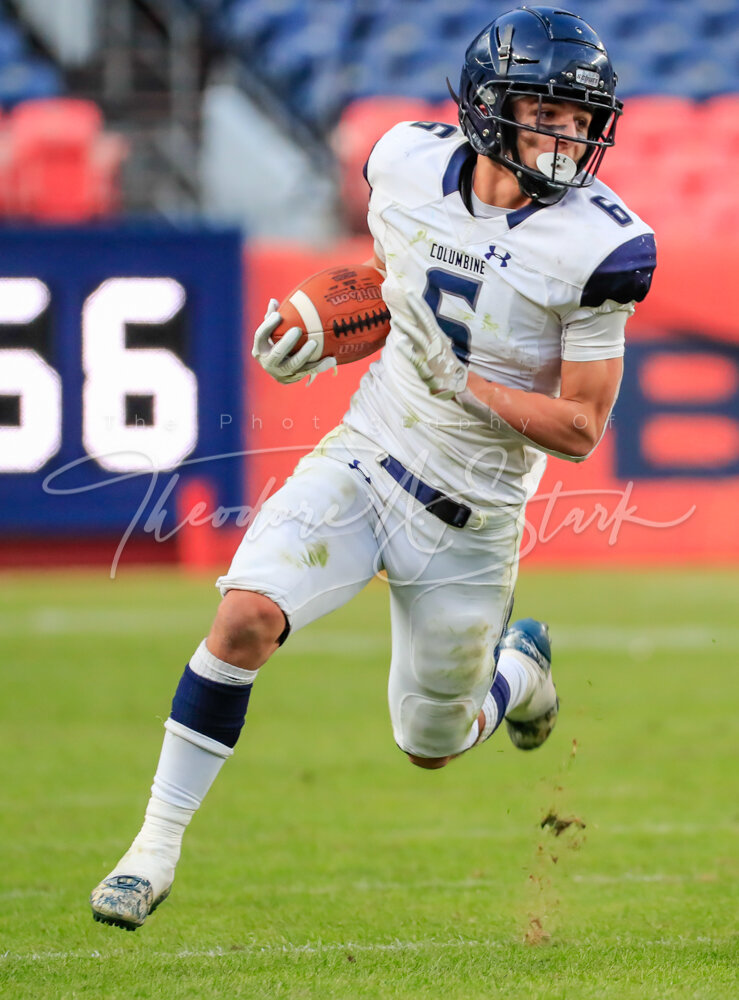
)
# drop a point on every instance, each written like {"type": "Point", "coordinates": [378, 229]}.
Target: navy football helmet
{"type": "Point", "coordinates": [550, 54]}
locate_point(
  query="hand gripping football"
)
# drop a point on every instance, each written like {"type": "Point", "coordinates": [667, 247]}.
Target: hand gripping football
{"type": "Point", "coordinates": [342, 309]}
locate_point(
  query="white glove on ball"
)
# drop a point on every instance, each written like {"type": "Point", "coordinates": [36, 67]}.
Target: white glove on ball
{"type": "Point", "coordinates": [277, 360]}
{"type": "Point", "coordinates": [429, 350]}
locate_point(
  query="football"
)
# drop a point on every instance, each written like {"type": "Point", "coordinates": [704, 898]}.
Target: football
{"type": "Point", "coordinates": [342, 309]}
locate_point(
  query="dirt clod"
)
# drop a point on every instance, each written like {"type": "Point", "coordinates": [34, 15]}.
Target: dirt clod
{"type": "Point", "coordinates": [535, 933]}
{"type": "Point", "coordinates": [558, 824]}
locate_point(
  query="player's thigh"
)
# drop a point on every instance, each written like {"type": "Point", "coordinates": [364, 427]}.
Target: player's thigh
{"type": "Point", "coordinates": [446, 626]}
{"type": "Point", "coordinates": [312, 546]}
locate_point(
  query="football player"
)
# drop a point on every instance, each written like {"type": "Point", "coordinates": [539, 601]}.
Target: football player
{"type": "Point", "coordinates": [510, 274]}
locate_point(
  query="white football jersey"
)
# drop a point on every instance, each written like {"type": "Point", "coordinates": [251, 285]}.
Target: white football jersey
{"type": "Point", "coordinates": [516, 292]}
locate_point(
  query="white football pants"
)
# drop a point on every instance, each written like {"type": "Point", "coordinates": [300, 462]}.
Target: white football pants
{"type": "Point", "coordinates": [339, 520]}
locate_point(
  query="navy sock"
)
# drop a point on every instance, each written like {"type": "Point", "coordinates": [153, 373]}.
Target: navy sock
{"type": "Point", "coordinates": [208, 707]}
{"type": "Point", "coordinates": [501, 693]}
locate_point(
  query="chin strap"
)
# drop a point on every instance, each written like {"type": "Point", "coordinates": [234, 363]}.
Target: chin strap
{"type": "Point", "coordinates": [542, 192]}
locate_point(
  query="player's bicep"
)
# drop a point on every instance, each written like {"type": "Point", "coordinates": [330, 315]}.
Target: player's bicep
{"type": "Point", "coordinates": [595, 385]}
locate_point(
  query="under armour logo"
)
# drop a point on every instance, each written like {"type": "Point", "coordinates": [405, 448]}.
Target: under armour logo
{"type": "Point", "coordinates": [502, 257]}
{"type": "Point", "coordinates": [356, 464]}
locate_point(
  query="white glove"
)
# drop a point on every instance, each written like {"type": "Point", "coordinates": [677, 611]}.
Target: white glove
{"type": "Point", "coordinates": [429, 350]}
{"type": "Point", "coordinates": [276, 358]}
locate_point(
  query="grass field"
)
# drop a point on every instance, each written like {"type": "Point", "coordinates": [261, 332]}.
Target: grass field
{"type": "Point", "coordinates": [323, 865]}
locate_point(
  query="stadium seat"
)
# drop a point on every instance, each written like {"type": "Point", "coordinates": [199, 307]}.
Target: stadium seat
{"type": "Point", "coordinates": [62, 166]}
{"type": "Point", "coordinates": [658, 124]}
{"type": "Point", "coordinates": [717, 214]}
{"type": "Point", "coordinates": [700, 73]}
{"type": "Point", "coordinates": [356, 50]}
{"type": "Point", "coordinates": [355, 68]}
{"type": "Point", "coordinates": [245, 25]}
{"type": "Point", "coordinates": [11, 43]}
{"type": "Point", "coordinates": [718, 126]}
{"type": "Point", "coordinates": [27, 79]}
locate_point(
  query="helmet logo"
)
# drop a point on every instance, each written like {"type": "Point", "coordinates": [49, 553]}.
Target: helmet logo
{"type": "Point", "coordinates": [557, 167]}
{"type": "Point", "coordinates": [588, 77]}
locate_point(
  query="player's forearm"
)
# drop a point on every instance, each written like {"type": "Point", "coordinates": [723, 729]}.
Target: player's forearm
{"type": "Point", "coordinates": [570, 427]}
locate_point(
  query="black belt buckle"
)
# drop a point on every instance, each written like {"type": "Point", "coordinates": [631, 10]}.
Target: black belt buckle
{"type": "Point", "coordinates": [455, 514]}
{"type": "Point", "coordinates": [437, 503]}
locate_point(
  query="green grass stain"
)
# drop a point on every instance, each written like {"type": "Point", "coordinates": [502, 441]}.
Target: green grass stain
{"type": "Point", "coordinates": [420, 237]}
{"type": "Point", "coordinates": [315, 555]}
{"type": "Point", "coordinates": [490, 325]}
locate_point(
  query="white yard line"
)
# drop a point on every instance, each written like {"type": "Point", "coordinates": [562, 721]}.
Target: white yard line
{"type": "Point", "coordinates": [645, 638]}
{"type": "Point", "coordinates": [256, 949]}
{"type": "Point", "coordinates": [54, 621]}
{"type": "Point", "coordinates": [598, 879]}
{"type": "Point", "coordinates": [348, 947]}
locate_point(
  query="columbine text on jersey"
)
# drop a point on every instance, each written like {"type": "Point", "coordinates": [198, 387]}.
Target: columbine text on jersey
{"type": "Point", "coordinates": [458, 258]}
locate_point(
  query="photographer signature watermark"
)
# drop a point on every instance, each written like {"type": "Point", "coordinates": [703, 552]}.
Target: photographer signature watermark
{"type": "Point", "coordinates": [158, 514]}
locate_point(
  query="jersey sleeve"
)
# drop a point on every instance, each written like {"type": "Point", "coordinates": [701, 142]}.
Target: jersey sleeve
{"type": "Point", "coordinates": [625, 275]}
{"type": "Point", "coordinates": [378, 170]}
{"type": "Point", "coordinates": [595, 334]}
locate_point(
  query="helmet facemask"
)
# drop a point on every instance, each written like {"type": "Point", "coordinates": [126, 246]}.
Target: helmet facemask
{"type": "Point", "coordinates": [494, 131]}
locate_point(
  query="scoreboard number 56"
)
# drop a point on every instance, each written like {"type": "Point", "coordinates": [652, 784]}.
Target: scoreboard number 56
{"type": "Point", "coordinates": [139, 404]}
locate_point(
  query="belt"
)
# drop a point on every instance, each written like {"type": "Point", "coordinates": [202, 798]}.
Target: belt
{"type": "Point", "coordinates": [435, 502]}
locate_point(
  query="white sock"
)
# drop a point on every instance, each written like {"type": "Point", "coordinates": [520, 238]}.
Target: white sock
{"type": "Point", "coordinates": [516, 675]}
{"type": "Point", "coordinates": [188, 765]}
{"type": "Point", "coordinates": [510, 665]}
{"type": "Point", "coordinates": [471, 737]}
{"type": "Point", "coordinates": [186, 770]}
{"type": "Point", "coordinates": [156, 848]}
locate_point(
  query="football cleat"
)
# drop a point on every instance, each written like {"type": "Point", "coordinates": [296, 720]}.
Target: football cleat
{"type": "Point", "coordinates": [531, 722]}
{"type": "Point", "coordinates": [124, 901]}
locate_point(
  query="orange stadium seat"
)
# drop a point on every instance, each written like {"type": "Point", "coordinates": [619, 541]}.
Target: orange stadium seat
{"type": "Point", "coordinates": [659, 124]}
{"type": "Point", "coordinates": [62, 165]}
{"type": "Point", "coordinates": [716, 215]}
{"type": "Point", "coordinates": [718, 128]}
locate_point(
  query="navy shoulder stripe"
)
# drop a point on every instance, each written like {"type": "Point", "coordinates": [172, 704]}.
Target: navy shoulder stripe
{"type": "Point", "coordinates": [365, 168]}
{"type": "Point", "coordinates": [453, 172]}
{"type": "Point", "coordinates": [625, 275]}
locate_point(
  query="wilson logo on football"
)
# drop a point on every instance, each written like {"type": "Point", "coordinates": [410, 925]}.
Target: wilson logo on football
{"type": "Point", "coordinates": [354, 295]}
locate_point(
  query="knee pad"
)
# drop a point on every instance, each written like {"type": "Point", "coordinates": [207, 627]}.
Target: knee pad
{"type": "Point", "coordinates": [431, 727]}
